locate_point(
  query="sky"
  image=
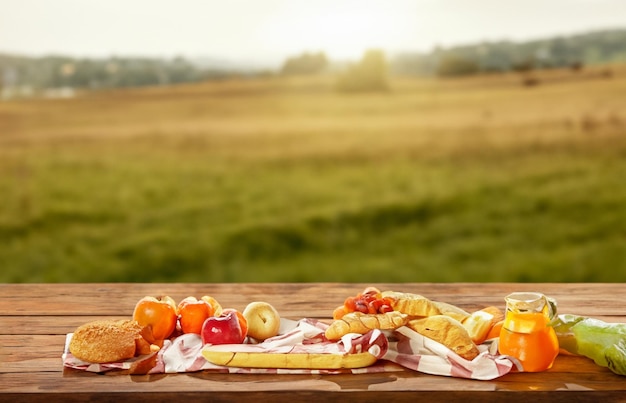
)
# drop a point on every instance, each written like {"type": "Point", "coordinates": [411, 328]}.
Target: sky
{"type": "Point", "coordinates": [266, 31]}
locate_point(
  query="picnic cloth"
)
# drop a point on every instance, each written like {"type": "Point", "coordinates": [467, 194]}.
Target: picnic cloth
{"type": "Point", "coordinates": [402, 348]}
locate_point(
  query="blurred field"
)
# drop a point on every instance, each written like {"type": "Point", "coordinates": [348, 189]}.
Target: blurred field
{"type": "Point", "coordinates": [477, 179]}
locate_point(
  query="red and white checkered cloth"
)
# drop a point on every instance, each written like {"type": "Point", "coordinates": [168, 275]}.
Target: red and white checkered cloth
{"type": "Point", "coordinates": [400, 348]}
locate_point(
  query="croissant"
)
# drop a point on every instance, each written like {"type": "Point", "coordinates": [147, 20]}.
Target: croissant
{"type": "Point", "coordinates": [447, 331]}
{"type": "Point", "coordinates": [357, 322]}
{"type": "Point", "coordinates": [411, 304]}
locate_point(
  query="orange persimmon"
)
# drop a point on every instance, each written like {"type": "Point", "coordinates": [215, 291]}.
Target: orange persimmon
{"type": "Point", "coordinates": [192, 313]}
{"type": "Point", "coordinates": [217, 308]}
{"type": "Point", "coordinates": [158, 315]}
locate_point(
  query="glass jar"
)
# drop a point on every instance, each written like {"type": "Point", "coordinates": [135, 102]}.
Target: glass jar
{"type": "Point", "coordinates": [526, 333]}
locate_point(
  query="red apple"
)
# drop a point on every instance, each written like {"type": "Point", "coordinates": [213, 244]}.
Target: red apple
{"type": "Point", "coordinates": [243, 322]}
{"type": "Point", "coordinates": [224, 329]}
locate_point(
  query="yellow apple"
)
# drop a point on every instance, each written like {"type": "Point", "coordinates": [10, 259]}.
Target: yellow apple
{"type": "Point", "coordinates": [263, 320]}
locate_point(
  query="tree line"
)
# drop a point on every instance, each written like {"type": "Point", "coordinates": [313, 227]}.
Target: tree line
{"type": "Point", "coordinates": [368, 73]}
{"type": "Point", "coordinates": [572, 51]}
{"type": "Point", "coordinates": [115, 72]}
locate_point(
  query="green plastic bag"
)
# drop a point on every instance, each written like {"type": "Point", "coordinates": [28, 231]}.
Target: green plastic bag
{"type": "Point", "coordinates": [604, 343]}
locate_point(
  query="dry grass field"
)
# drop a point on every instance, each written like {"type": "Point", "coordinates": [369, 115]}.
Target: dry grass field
{"type": "Point", "coordinates": [277, 179]}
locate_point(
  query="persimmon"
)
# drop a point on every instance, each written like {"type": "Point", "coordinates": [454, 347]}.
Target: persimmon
{"type": "Point", "coordinates": [192, 313]}
{"type": "Point", "coordinates": [217, 308]}
{"type": "Point", "coordinates": [158, 315]}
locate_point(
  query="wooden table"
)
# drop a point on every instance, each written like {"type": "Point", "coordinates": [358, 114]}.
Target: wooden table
{"type": "Point", "coordinates": [35, 319]}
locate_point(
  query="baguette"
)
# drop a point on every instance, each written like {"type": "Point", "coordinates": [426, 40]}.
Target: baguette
{"type": "Point", "coordinates": [447, 331]}
{"type": "Point", "coordinates": [288, 360]}
{"type": "Point", "coordinates": [357, 322]}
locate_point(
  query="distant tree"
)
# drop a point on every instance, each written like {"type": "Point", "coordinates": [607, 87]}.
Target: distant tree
{"type": "Point", "coordinates": [456, 65]}
{"type": "Point", "coordinates": [420, 64]}
{"type": "Point", "coordinates": [582, 49]}
{"type": "Point", "coordinates": [306, 63]}
{"type": "Point", "coordinates": [178, 70]}
{"type": "Point", "coordinates": [370, 74]}
{"type": "Point", "coordinates": [525, 65]}
{"type": "Point", "coordinates": [494, 57]}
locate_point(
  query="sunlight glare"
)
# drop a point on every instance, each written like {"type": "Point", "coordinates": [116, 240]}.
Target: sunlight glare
{"type": "Point", "coordinates": [344, 30]}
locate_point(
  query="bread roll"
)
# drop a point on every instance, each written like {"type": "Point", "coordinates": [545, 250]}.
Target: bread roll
{"type": "Point", "coordinates": [447, 331]}
{"type": "Point", "coordinates": [497, 313]}
{"type": "Point", "coordinates": [479, 323]}
{"type": "Point", "coordinates": [357, 322]}
{"type": "Point", "coordinates": [106, 340]}
{"type": "Point", "coordinates": [411, 304]}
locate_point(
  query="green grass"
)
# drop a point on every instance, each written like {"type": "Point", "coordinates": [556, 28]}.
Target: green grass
{"type": "Point", "coordinates": [285, 180]}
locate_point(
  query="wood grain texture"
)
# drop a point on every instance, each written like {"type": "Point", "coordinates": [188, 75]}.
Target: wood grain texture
{"type": "Point", "coordinates": [34, 319]}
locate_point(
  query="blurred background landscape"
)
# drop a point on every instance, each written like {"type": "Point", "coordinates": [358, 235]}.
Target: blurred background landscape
{"type": "Point", "coordinates": [360, 144]}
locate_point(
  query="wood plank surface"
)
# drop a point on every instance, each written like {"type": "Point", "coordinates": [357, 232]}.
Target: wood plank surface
{"type": "Point", "coordinates": [34, 319]}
